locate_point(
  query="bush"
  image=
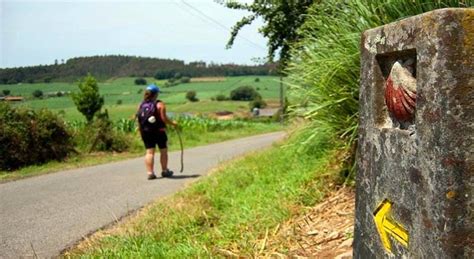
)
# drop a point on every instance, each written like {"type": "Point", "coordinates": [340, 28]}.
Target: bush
{"type": "Point", "coordinates": [221, 97]}
{"type": "Point", "coordinates": [37, 93]}
{"type": "Point", "coordinates": [31, 137]}
{"type": "Point", "coordinates": [185, 80]}
{"type": "Point", "coordinates": [6, 92]}
{"type": "Point", "coordinates": [257, 103]}
{"type": "Point", "coordinates": [119, 102]}
{"type": "Point", "coordinates": [257, 80]}
{"type": "Point", "coordinates": [171, 82]}
{"type": "Point", "coordinates": [140, 81]}
{"type": "Point", "coordinates": [191, 96]}
{"type": "Point", "coordinates": [102, 133]}
{"type": "Point", "coordinates": [244, 93]}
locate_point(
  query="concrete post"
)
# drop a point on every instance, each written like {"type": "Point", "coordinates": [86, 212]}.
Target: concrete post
{"type": "Point", "coordinates": [416, 138]}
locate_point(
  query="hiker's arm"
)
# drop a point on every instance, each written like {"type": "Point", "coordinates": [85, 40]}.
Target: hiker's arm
{"type": "Point", "coordinates": [164, 118]}
{"type": "Point", "coordinates": [136, 119]}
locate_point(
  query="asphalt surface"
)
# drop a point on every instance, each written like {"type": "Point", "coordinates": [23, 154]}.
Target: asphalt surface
{"type": "Point", "coordinates": [43, 215]}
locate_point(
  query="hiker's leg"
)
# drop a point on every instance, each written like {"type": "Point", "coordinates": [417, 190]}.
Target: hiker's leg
{"type": "Point", "coordinates": [164, 159]}
{"type": "Point", "coordinates": [163, 145]}
{"type": "Point", "coordinates": [149, 160]}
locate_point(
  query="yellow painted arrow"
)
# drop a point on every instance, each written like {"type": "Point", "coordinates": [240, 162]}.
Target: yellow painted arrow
{"type": "Point", "coordinates": [386, 226]}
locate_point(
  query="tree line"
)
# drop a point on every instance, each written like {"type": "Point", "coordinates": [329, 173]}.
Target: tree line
{"type": "Point", "coordinates": [105, 67]}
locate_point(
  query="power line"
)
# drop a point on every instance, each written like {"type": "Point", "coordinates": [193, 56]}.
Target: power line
{"type": "Point", "coordinates": [202, 14]}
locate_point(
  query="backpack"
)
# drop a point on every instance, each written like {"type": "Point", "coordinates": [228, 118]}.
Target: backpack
{"type": "Point", "coordinates": [146, 110]}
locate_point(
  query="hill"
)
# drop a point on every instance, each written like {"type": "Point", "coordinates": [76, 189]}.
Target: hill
{"type": "Point", "coordinates": [105, 67]}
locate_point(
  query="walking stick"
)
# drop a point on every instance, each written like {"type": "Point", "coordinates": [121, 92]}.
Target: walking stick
{"type": "Point", "coordinates": [182, 151]}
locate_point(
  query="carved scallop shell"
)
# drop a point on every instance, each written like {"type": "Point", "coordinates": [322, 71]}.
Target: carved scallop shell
{"type": "Point", "coordinates": [400, 93]}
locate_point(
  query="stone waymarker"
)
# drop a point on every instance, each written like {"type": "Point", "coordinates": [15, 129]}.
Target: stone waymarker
{"type": "Point", "coordinates": [416, 152]}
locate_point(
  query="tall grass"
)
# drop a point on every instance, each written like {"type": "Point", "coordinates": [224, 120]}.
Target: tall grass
{"type": "Point", "coordinates": [324, 72]}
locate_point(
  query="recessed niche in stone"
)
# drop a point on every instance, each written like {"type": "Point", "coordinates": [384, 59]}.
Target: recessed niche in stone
{"type": "Point", "coordinates": [397, 89]}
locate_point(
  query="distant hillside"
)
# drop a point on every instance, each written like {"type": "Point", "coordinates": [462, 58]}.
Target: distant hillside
{"type": "Point", "coordinates": [104, 67]}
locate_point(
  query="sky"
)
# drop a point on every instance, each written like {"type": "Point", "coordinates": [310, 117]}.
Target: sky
{"type": "Point", "coordinates": [34, 32]}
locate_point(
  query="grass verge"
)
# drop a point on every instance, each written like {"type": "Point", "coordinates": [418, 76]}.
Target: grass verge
{"type": "Point", "coordinates": [190, 139]}
{"type": "Point", "coordinates": [228, 213]}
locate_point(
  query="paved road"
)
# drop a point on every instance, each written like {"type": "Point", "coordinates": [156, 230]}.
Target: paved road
{"type": "Point", "coordinates": [46, 214]}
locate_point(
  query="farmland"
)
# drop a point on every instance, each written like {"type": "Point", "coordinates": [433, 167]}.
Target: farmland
{"type": "Point", "coordinates": [122, 95]}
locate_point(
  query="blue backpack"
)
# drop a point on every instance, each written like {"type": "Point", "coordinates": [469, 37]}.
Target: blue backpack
{"type": "Point", "coordinates": [148, 109]}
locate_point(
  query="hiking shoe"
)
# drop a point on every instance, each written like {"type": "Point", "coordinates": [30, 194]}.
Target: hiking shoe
{"type": "Point", "coordinates": [167, 173]}
{"type": "Point", "coordinates": [151, 176]}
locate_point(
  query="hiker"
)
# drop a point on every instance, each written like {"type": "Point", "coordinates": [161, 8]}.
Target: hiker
{"type": "Point", "coordinates": [152, 122]}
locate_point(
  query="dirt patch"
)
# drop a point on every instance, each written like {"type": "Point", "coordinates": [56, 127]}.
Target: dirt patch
{"type": "Point", "coordinates": [325, 231]}
{"type": "Point", "coordinates": [207, 79]}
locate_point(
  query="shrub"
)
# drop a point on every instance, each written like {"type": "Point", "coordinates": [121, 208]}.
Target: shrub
{"type": "Point", "coordinates": [221, 97]}
{"type": "Point", "coordinates": [171, 82]}
{"type": "Point", "coordinates": [6, 92]}
{"type": "Point", "coordinates": [140, 81]}
{"type": "Point", "coordinates": [244, 93]}
{"type": "Point", "coordinates": [31, 137]}
{"type": "Point", "coordinates": [119, 102]}
{"type": "Point", "coordinates": [37, 93]}
{"type": "Point", "coordinates": [257, 103]}
{"type": "Point", "coordinates": [103, 135]}
{"type": "Point", "coordinates": [257, 80]}
{"type": "Point", "coordinates": [185, 80]}
{"type": "Point", "coordinates": [191, 96]}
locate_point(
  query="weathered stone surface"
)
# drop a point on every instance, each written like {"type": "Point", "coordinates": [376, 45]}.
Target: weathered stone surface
{"type": "Point", "coordinates": [425, 169]}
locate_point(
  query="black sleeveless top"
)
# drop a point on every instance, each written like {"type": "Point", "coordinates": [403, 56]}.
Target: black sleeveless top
{"type": "Point", "coordinates": [159, 120]}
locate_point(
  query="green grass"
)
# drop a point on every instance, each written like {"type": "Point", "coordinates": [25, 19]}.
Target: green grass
{"type": "Point", "coordinates": [191, 138]}
{"type": "Point", "coordinates": [125, 91]}
{"type": "Point", "coordinates": [231, 210]}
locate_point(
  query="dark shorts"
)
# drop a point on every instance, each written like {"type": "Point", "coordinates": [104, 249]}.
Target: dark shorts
{"type": "Point", "coordinates": [151, 139]}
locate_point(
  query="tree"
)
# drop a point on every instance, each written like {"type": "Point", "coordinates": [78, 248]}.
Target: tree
{"type": "Point", "coordinates": [37, 93]}
{"type": "Point", "coordinates": [6, 92]}
{"type": "Point", "coordinates": [282, 20]}
{"type": "Point", "coordinates": [191, 96]}
{"type": "Point", "coordinates": [88, 101]}
{"type": "Point", "coordinates": [244, 93]}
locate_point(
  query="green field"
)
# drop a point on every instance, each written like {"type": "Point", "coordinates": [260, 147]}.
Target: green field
{"type": "Point", "coordinates": [125, 91]}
